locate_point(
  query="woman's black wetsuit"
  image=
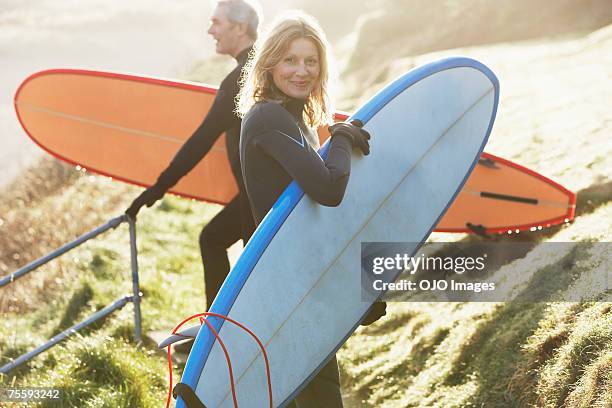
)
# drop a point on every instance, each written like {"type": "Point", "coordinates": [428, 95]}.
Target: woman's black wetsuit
{"type": "Point", "coordinates": [274, 150]}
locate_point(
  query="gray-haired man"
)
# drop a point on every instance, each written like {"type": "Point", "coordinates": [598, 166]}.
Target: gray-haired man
{"type": "Point", "coordinates": [233, 26]}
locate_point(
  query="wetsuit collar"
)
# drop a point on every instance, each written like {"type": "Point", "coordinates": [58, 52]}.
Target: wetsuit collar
{"type": "Point", "coordinates": [296, 108]}
{"type": "Point", "coordinates": [243, 55]}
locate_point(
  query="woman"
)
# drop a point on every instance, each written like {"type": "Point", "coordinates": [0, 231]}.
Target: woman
{"type": "Point", "coordinates": [284, 98]}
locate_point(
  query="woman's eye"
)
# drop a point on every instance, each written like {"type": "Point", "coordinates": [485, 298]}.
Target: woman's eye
{"type": "Point", "coordinates": [312, 62]}
{"type": "Point", "coordinates": [290, 60]}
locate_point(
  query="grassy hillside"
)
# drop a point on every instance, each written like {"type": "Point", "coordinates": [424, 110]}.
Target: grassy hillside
{"type": "Point", "coordinates": [397, 28]}
{"type": "Point", "coordinates": [554, 117]}
{"type": "Point", "coordinates": [102, 366]}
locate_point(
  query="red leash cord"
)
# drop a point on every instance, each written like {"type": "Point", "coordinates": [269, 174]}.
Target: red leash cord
{"type": "Point", "coordinates": [203, 319]}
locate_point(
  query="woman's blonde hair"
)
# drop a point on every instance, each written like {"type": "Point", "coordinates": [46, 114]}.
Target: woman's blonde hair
{"type": "Point", "coordinates": [256, 80]}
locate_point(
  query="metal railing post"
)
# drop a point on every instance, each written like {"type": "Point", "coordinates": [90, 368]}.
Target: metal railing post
{"type": "Point", "coordinates": [135, 282]}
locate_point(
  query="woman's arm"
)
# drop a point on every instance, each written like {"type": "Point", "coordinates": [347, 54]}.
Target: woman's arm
{"type": "Point", "coordinates": [281, 138]}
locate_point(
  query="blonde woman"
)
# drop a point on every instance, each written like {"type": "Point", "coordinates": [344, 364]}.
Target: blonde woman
{"type": "Point", "coordinates": [285, 96]}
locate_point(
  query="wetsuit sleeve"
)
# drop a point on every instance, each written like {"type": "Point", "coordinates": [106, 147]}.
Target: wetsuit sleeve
{"type": "Point", "coordinates": [219, 119]}
{"type": "Point", "coordinates": [324, 181]}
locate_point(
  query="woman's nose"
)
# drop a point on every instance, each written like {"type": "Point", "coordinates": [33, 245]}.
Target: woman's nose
{"type": "Point", "coordinates": [301, 69]}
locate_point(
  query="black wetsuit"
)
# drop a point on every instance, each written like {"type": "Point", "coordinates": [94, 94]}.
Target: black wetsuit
{"type": "Point", "coordinates": [274, 151]}
{"type": "Point", "coordinates": [235, 220]}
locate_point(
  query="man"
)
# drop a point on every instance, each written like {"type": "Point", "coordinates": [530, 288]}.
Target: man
{"type": "Point", "coordinates": [233, 26]}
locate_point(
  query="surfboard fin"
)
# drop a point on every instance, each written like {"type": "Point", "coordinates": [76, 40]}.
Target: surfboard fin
{"type": "Point", "coordinates": [479, 230]}
{"type": "Point", "coordinates": [188, 395]}
{"type": "Point", "coordinates": [188, 333]}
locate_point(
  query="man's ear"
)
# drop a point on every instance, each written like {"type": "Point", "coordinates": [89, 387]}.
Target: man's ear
{"type": "Point", "coordinates": [242, 28]}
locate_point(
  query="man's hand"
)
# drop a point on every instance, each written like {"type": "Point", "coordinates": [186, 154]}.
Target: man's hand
{"type": "Point", "coordinates": [147, 197]}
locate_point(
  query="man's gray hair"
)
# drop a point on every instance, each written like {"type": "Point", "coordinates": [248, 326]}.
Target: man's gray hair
{"type": "Point", "coordinates": [241, 12]}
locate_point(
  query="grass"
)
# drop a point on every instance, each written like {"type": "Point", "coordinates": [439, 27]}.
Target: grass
{"type": "Point", "coordinates": [421, 354]}
{"type": "Point", "coordinates": [102, 366]}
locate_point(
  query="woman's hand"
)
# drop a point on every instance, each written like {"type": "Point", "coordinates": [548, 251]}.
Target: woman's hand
{"type": "Point", "coordinates": [354, 132]}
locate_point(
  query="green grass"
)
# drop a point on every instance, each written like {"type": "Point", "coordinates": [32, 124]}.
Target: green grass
{"type": "Point", "coordinates": [102, 366]}
{"type": "Point", "coordinates": [421, 354]}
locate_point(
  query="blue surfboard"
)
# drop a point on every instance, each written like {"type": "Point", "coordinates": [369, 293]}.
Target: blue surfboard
{"type": "Point", "coordinates": [297, 283]}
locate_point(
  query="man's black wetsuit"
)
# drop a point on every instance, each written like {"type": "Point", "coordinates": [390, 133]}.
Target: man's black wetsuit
{"type": "Point", "coordinates": [235, 220]}
{"type": "Point", "coordinates": [274, 150]}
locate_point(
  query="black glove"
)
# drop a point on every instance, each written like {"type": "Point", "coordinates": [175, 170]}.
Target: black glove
{"type": "Point", "coordinates": [378, 310]}
{"type": "Point", "coordinates": [148, 197]}
{"type": "Point", "coordinates": [358, 137]}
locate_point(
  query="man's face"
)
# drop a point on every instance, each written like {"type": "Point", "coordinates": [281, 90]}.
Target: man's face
{"type": "Point", "coordinates": [224, 32]}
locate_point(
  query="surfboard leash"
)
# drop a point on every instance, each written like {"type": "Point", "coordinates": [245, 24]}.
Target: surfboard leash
{"type": "Point", "coordinates": [186, 392]}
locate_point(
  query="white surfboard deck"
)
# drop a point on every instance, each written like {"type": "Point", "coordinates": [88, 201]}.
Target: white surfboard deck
{"type": "Point", "coordinates": [297, 284]}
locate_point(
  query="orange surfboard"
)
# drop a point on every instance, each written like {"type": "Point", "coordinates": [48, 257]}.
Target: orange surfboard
{"type": "Point", "coordinates": [129, 128]}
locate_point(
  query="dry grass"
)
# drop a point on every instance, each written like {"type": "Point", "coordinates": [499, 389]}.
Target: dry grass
{"type": "Point", "coordinates": [51, 204]}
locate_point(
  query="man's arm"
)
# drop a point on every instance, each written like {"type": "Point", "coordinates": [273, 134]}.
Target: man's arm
{"type": "Point", "coordinates": [220, 118]}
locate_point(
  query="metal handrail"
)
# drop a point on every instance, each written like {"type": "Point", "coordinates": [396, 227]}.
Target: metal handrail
{"type": "Point", "coordinates": [118, 304]}
{"type": "Point", "coordinates": [62, 250]}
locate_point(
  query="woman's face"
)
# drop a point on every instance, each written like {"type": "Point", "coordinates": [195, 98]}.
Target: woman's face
{"type": "Point", "coordinates": [297, 72]}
